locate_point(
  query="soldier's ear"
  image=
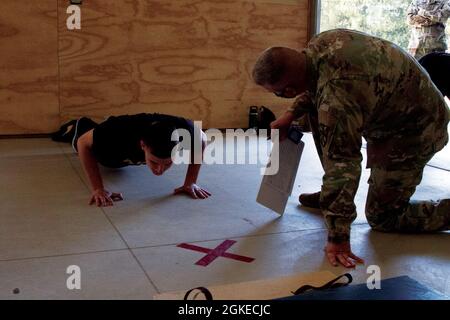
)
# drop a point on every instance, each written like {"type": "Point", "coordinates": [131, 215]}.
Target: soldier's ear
{"type": "Point", "coordinates": [142, 145]}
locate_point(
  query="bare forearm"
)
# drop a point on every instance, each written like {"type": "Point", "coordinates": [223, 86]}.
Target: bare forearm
{"type": "Point", "coordinates": [192, 174]}
{"type": "Point", "coordinates": [91, 169]}
{"type": "Point", "coordinates": [194, 168]}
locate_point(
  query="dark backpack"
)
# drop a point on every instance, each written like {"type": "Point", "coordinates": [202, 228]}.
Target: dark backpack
{"type": "Point", "coordinates": [437, 64]}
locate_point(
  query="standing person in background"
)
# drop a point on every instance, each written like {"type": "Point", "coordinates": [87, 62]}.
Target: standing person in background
{"type": "Point", "coordinates": [428, 19]}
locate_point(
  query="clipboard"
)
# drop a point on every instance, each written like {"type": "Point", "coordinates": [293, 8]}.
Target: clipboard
{"type": "Point", "coordinates": [276, 189]}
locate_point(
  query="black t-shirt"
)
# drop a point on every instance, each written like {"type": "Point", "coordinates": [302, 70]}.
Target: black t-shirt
{"type": "Point", "coordinates": [116, 141]}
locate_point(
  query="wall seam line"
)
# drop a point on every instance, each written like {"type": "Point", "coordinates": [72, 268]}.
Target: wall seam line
{"type": "Point", "coordinates": [59, 62]}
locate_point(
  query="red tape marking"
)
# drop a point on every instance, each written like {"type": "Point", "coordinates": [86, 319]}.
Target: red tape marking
{"type": "Point", "coordinates": [213, 254]}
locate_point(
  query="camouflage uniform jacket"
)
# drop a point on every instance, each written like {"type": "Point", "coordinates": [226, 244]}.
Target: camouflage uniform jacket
{"type": "Point", "coordinates": [363, 86]}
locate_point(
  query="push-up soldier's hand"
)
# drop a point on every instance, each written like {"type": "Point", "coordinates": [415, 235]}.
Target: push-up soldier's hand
{"type": "Point", "coordinates": [341, 253]}
{"type": "Point", "coordinates": [103, 198]}
{"type": "Point", "coordinates": [193, 190]}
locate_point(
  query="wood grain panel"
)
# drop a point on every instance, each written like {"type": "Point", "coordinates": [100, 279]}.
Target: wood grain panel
{"type": "Point", "coordinates": [184, 57]}
{"type": "Point", "coordinates": [28, 67]}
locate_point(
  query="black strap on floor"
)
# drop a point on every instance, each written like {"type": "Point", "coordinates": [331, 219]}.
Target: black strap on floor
{"type": "Point", "coordinates": [203, 290]}
{"type": "Point", "coordinates": [329, 285]}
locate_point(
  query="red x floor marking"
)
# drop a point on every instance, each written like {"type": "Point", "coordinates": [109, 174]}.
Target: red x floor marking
{"type": "Point", "coordinates": [213, 254]}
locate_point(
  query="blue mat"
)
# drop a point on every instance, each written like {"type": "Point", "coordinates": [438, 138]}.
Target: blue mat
{"type": "Point", "coordinates": [400, 288]}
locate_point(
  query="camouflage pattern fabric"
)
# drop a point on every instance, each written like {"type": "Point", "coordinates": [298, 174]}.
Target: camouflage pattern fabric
{"type": "Point", "coordinates": [428, 19]}
{"type": "Point", "coordinates": [363, 86]}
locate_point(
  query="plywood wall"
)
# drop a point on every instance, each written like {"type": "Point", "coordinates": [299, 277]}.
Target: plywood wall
{"type": "Point", "coordinates": [28, 66]}
{"type": "Point", "coordinates": [186, 57]}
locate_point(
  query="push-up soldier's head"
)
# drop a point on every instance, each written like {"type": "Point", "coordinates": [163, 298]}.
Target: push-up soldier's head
{"type": "Point", "coordinates": [157, 145]}
{"type": "Point", "coordinates": [281, 71]}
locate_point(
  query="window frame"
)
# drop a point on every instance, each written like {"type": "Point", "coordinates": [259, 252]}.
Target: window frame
{"type": "Point", "coordinates": [314, 18]}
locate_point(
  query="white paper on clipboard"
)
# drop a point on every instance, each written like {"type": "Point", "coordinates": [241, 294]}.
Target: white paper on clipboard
{"type": "Point", "coordinates": [276, 189]}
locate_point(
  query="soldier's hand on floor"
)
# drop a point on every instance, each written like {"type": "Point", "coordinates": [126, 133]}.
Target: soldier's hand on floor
{"type": "Point", "coordinates": [104, 198]}
{"type": "Point", "coordinates": [193, 190]}
{"type": "Point", "coordinates": [283, 124]}
{"type": "Point", "coordinates": [341, 253]}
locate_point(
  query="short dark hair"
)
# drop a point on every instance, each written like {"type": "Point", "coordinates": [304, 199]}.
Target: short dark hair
{"type": "Point", "coordinates": [158, 137]}
{"type": "Point", "coordinates": [270, 67]}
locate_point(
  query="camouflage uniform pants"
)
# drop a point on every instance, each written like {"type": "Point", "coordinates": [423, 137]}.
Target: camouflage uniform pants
{"type": "Point", "coordinates": [427, 39]}
{"type": "Point", "coordinates": [388, 205]}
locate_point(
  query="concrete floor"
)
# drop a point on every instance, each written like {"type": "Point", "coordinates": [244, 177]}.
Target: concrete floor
{"type": "Point", "coordinates": [130, 251]}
